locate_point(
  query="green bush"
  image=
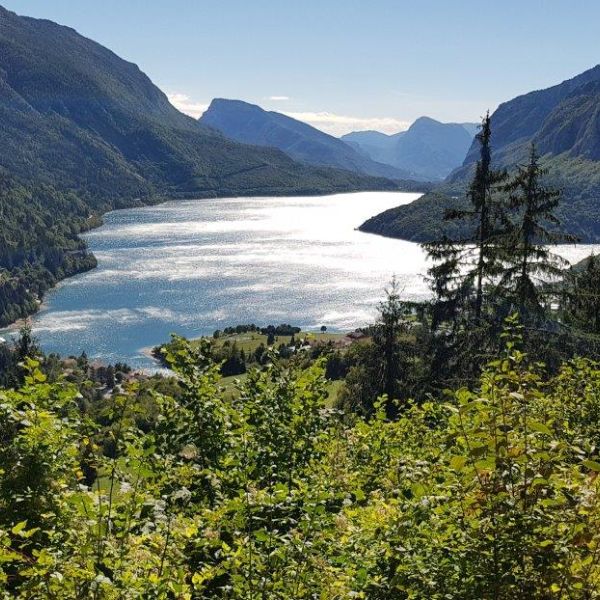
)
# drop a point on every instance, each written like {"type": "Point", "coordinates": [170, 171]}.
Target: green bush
{"type": "Point", "coordinates": [483, 493]}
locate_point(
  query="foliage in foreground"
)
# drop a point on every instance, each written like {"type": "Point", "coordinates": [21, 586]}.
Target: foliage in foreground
{"type": "Point", "coordinates": [489, 493]}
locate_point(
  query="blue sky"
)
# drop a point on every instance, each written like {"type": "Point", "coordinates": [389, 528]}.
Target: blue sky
{"type": "Point", "coordinates": [343, 64]}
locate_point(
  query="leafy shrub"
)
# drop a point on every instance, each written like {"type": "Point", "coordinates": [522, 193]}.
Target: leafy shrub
{"type": "Point", "coordinates": [486, 493]}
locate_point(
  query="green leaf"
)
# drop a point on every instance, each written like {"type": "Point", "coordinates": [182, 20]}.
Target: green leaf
{"type": "Point", "coordinates": [261, 535]}
{"type": "Point", "coordinates": [418, 490]}
{"type": "Point", "coordinates": [592, 465]}
{"type": "Point", "coordinates": [457, 462]}
{"type": "Point", "coordinates": [539, 427]}
{"type": "Point", "coordinates": [19, 527]}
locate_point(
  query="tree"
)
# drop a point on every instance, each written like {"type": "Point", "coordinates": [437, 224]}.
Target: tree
{"type": "Point", "coordinates": [387, 331]}
{"type": "Point", "coordinates": [380, 366]}
{"type": "Point", "coordinates": [529, 261]}
{"type": "Point", "coordinates": [488, 213]}
{"type": "Point", "coordinates": [323, 328]}
{"type": "Point", "coordinates": [26, 345]}
{"type": "Point", "coordinates": [582, 297]}
{"type": "Point", "coordinates": [109, 377]}
{"type": "Point", "coordinates": [463, 267]}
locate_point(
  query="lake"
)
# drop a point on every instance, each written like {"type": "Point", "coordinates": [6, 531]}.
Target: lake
{"type": "Point", "coordinates": [190, 267]}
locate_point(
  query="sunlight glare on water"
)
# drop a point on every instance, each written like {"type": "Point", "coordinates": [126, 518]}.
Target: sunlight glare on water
{"type": "Point", "coordinates": [191, 267]}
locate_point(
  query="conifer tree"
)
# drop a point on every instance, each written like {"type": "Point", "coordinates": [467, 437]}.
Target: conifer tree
{"type": "Point", "coordinates": [391, 322]}
{"type": "Point", "coordinates": [530, 264]}
{"type": "Point", "coordinates": [463, 267]}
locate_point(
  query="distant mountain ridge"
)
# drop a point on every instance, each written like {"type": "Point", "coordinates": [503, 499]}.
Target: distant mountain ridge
{"type": "Point", "coordinates": [250, 124]}
{"type": "Point", "coordinates": [427, 148]}
{"type": "Point", "coordinates": [564, 123]}
{"type": "Point", "coordinates": [374, 144]}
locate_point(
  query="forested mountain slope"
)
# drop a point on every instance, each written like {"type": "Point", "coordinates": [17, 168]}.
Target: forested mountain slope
{"type": "Point", "coordinates": [564, 123]}
{"type": "Point", "coordinates": [77, 116]}
{"type": "Point", "coordinates": [84, 131]}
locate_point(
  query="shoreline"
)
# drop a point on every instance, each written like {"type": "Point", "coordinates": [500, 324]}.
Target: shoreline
{"type": "Point", "coordinates": [158, 200]}
{"type": "Point", "coordinates": [145, 359]}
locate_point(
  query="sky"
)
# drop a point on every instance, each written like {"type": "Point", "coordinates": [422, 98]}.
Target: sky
{"type": "Point", "coordinates": [343, 65]}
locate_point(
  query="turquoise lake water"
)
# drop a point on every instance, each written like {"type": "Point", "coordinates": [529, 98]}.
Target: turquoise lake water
{"type": "Point", "coordinates": [190, 267]}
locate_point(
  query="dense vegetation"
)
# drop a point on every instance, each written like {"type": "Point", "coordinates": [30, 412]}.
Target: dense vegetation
{"type": "Point", "coordinates": [563, 123]}
{"type": "Point", "coordinates": [423, 219]}
{"type": "Point", "coordinates": [497, 262]}
{"type": "Point", "coordinates": [487, 492]}
{"type": "Point", "coordinates": [454, 464]}
{"type": "Point", "coordinates": [38, 244]}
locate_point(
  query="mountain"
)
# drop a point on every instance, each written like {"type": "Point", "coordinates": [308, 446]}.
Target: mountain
{"type": "Point", "coordinates": [472, 128]}
{"type": "Point", "coordinates": [432, 148]}
{"type": "Point", "coordinates": [374, 144]}
{"type": "Point", "coordinates": [250, 124]}
{"type": "Point", "coordinates": [552, 118]}
{"type": "Point", "coordinates": [77, 116]}
{"type": "Point", "coordinates": [564, 123]}
{"type": "Point", "coordinates": [83, 131]}
{"type": "Point", "coordinates": [428, 149]}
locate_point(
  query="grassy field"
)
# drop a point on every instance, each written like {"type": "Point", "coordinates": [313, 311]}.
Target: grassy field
{"type": "Point", "coordinates": [252, 340]}
{"type": "Point", "coordinates": [230, 385]}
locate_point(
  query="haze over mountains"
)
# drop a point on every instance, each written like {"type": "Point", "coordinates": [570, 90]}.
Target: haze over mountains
{"type": "Point", "coordinates": [428, 149]}
{"type": "Point", "coordinates": [250, 124]}
{"type": "Point", "coordinates": [564, 123]}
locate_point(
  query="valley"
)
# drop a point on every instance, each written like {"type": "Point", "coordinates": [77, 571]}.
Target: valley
{"type": "Point", "coordinates": [280, 320]}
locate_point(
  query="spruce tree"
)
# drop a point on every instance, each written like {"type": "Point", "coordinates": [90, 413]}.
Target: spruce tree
{"type": "Point", "coordinates": [462, 267]}
{"type": "Point", "coordinates": [530, 264]}
{"type": "Point", "coordinates": [391, 323]}
{"type": "Point", "coordinates": [488, 213]}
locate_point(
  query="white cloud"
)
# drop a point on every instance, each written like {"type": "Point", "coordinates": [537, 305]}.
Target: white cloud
{"type": "Point", "coordinates": [186, 105]}
{"type": "Point", "coordinates": [277, 98]}
{"type": "Point", "coordinates": [340, 124]}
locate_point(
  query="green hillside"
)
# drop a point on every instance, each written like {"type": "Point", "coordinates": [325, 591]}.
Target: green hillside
{"type": "Point", "coordinates": [563, 121]}
{"type": "Point", "coordinates": [77, 116]}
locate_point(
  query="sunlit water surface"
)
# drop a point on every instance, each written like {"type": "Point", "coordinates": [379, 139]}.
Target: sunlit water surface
{"type": "Point", "coordinates": [190, 267]}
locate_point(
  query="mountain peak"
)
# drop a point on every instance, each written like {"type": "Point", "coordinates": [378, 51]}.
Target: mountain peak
{"type": "Point", "coordinates": [223, 103]}
{"type": "Point", "coordinates": [424, 120]}
{"type": "Point", "coordinates": [251, 124]}
{"type": "Point", "coordinates": [428, 148]}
